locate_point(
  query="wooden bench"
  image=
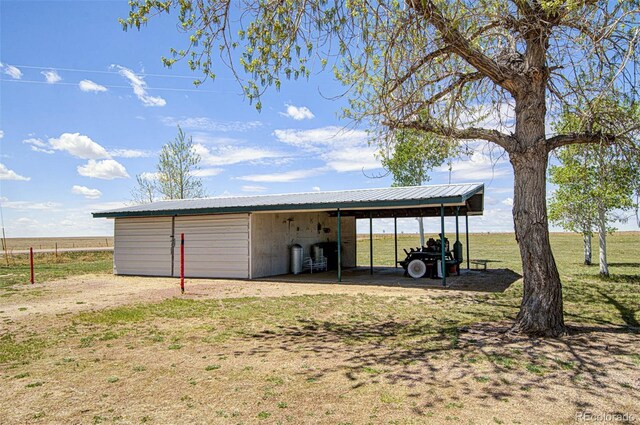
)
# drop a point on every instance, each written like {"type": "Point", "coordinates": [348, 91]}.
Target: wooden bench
{"type": "Point", "coordinates": [478, 263]}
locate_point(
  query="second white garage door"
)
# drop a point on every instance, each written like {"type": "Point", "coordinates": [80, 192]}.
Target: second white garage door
{"type": "Point", "coordinates": [215, 246]}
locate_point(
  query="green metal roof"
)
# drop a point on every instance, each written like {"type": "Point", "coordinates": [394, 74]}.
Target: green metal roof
{"type": "Point", "coordinates": [468, 196]}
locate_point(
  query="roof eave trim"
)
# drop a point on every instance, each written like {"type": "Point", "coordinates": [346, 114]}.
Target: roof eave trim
{"type": "Point", "coordinates": [434, 202]}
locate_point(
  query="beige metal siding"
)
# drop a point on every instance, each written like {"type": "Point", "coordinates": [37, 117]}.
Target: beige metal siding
{"type": "Point", "coordinates": [142, 246]}
{"type": "Point", "coordinates": [215, 246]}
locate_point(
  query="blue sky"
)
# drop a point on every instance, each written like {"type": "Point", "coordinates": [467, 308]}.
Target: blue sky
{"type": "Point", "coordinates": [85, 107]}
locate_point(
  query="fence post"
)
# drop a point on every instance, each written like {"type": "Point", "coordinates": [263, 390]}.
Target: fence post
{"type": "Point", "coordinates": [182, 263]}
{"type": "Point", "coordinates": [31, 262]}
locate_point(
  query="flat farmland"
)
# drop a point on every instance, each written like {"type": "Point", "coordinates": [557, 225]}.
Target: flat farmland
{"type": "Point", "coordinates": [19, 244]}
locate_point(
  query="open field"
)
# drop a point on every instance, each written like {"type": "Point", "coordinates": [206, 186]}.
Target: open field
{"type": "Point", "coordinates": [105, 349]}
{"type": "Point", "coordinates": [19, 244]}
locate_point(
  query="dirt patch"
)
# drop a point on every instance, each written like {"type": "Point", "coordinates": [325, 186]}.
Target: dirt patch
{"type": "Point", "coordinates": [95, 292]}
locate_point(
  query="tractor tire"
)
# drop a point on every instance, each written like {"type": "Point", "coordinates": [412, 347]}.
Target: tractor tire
{"type": "Point", "coordinates": [417, 269]}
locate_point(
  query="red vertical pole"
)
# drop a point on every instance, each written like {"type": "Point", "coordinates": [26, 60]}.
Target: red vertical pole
{"type": "Point", "coordinates": [31, 262]}
{"type": "Point", "coordinates": [182, 262]}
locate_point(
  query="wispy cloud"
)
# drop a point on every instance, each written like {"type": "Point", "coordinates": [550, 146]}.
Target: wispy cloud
{"type": "Point", "coordinates": [107, 169]}
{"type": "Point", "coordinates": [207, 172]}
{"type": "Point", "coordinates": [90, 86]}
{"type": "Point", "coordinates": [298, 113]}
{"type": "Point", "coordinates": [342, 150]}
{"type": "Point", "coordinates": [11, 71]}
{"type": "Point", "coordinates": [283, 177]}
{"type": "Point", "coordinates": [51, 76]}
{"type": "Point", "coordinates": [253, 188]}
{"type": "Point", "coordinates": [27, 205]}
{"type": "Point", "coordinates": [228, 155]}
{"type": "Point", "coordinates": [352, 159]}
{"type": "Point", "coordinates": [204, 138]}
{"type": "Point", "coordinates": [79, 146]}
{"type": "Point", "coordinates": [130, 153]}
{"type": "Point", "coordinates": [203, 123]}
{"type": "Point", "coordinates": [478, 168]}
{"type": "Point", "coordinates": [320, 138]}
{"type": "Point", "coordinates": [38, 145]}
{"type": "Point", "coordinates": [86, 192]}
{"type": "Point", "coordinates": [139, 87]}
{"type": "Point", "coordinates": [7, 174]}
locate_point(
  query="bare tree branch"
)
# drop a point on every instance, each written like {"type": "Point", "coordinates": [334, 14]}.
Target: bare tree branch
{"type": "Point", "coordinates": [501, 139]}
{"type": "Point", "coordinates": [578, 138]}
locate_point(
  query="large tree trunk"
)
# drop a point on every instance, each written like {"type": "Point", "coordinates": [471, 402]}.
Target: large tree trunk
{"type": "Point", "coordinates": [602, 237]}
{"type": "Point", "coordinates": [586, 238]}
{"type": "Point", "coordinates": [541, 308]}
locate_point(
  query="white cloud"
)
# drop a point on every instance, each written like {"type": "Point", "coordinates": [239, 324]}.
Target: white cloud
{"type": "Point", "coordinates": [227, 155]}
{"type": "Point", "coordinates": [250, 188]}
{"type": "Point", "coordinates": [207, 172]}
{"type": "Point", "coordinates": [86, 192]}
{"type": "Point", "coordinates": [203, 123]}
{"type": "Point", "coordinates": [1, 134]}
{"type": "Point", "coordinates": [25, 221]}
{"type": "Point", "coordinates": [108, 169]}
{"type": "Point", "coordinates": [139, 87]}
{"type": "Point", "coordinates": [298, 113]}
{"type": "Point", "coordinates": [284, 177]}
{"type": "Point", "coordinates": [11, 71]}
{"type": "Point", "coordinates": [149, 176]}
{"type": "Point", "coordinates": [202, 138]}
{"type": "Point", "coordinates": [51, 76]}
{"type": "Point", "coordinates": [7, 174]}
{"type": "Point", "coordinates": [38, 145]}
{"type": "Point", "coordinates": [342, 150]}
{"type": "Point", "coordinates": [129, 153]}
{"type": "Point", "coordinates": [352, 159]}
{"type": "Point", "coordinates": [90, 86]}
{"type": "Point", "coordinates": [479, 167]}
{"type": "Point", "coordinates": [321, 137]}
{"type": "Point", "coordinates": [105, 206]}
{"type": "Point", "coordinates": [508, 202]}
{"type": "Point", "coordinates": [316, 188]}
{"type": "Point", "coordinates": [26, 205]}
{"type": "Point", "coordinates": [79, 146]}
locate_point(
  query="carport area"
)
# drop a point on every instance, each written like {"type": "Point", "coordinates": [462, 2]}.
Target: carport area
{"type": "Point", "coordinates": [439, 258]}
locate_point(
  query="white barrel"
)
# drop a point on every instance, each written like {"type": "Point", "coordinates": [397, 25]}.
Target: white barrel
{"type": "Point", "coordinates": [296, 259]}
{"type": "Point", "coordinates": [318, 252]}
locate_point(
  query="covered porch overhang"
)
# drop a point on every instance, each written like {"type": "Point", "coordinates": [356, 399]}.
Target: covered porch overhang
{"type": "Point", "coordinates": [470, 204]}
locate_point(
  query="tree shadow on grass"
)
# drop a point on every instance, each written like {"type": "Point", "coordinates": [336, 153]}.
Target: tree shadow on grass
{"type": "Point", "coordinates": [624, 264]}
{"type": "Point", "coordinates": [627, 314]}
{"type": "Point", "coordinates": [430, 358]}
{"type": "Point", "coordinates": [613, 278]}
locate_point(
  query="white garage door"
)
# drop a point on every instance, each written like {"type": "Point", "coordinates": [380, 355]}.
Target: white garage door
{"type": "Point", "coordinates": [215, 246]}
{"type": "Point", "coordinates": [142, 246]}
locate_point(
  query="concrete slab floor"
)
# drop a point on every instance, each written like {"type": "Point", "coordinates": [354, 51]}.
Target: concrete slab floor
{"type": "Point", "coordinates": [491, 280]}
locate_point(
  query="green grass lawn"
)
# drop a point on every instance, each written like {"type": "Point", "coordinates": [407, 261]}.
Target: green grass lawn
{"type": "Point", "coordinates": [588, 297]}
